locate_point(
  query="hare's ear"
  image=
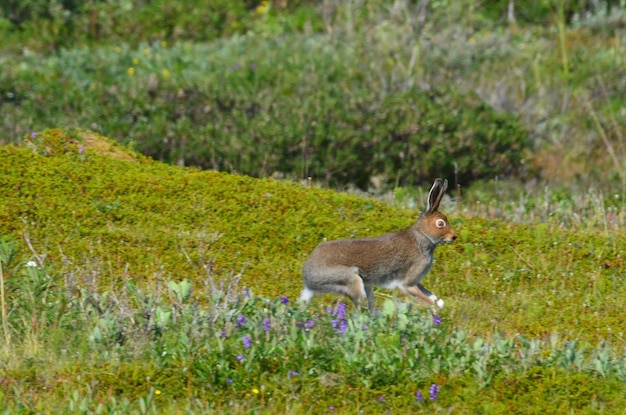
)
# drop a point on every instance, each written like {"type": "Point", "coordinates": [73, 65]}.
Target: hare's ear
{"type": "Point", "coordinates": [436, 194]}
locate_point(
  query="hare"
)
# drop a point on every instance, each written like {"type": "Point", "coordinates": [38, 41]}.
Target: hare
{"type": "Point", "coordinates": [395, 260]}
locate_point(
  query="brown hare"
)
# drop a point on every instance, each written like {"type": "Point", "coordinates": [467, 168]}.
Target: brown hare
{"type": "Point", "coordinates": [395, 260]}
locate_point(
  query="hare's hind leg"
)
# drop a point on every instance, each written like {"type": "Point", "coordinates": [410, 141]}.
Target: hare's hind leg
{"type": "Point", "coordinates": [347, 281]}
{"type": "Point", "coordinates": [340, 280]}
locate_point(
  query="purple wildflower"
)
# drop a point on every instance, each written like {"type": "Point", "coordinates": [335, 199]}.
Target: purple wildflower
{"type": "Point", "coordinates": [436, 320]}
{"type": "Point", "coordinates": [331, 408]}
{"type": "Point", "coordinates": [340, 323]}
{"type": "Point", "coordinates": [229, 380]}
{"type": "Point", "coordinates": [419, 396]}
{"type": "Point", "coordinates": [293, 373]}
{"type": "Point", "coordinates": [309, 324]}
{"type": "Point", "coordinates": [284, 299]}
{"type": "Point", "coordinates": [81, 150]}
{"type": "Point", "coordinates": [33, 135]}
{"type": "Point", "coordinates": [223, 334]}
{"type": "Point", "coordinates": [241, 320]}
{"type": "Point", "coordinates": [247, 342]}
{"type": "Point", "coordinates": [340, 311]}
{"type": "Point", "coordinates": [365, 327]}
{"type": "Point", "coordinates": [246, 292]}
{"type": "Point", "coordinates": [381, 399]}
{"type": "Point", "coordinates": [240, 358]}
{"type": "Point", "coordinates": [266, 325]}
{"type": "Point", "coordinates": [434, 390]}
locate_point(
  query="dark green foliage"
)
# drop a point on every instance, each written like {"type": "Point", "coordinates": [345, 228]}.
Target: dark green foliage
{"type": "Point", "coordinates": [47, 25]}
{"type": "Point", "coordinates": [545, 11]}
{"type": "Point", "coordinates": [271, 112]}
{"type": "Point", "coordinates": [405, 138]}
{"type": "Point", "coordinates": [69, 22]}
{"type": "Point", "coordinates": [342, 92]}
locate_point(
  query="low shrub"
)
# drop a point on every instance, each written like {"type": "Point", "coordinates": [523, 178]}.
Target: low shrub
{"type": "Point", "coordinates": [273, 111]}
{"type": "Point", "coordinates": [48, 26]}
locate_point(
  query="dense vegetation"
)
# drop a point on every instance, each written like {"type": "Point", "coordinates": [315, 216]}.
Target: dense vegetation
{"type": "Point", "coordinates": [269, 114]}
{"type": "Point", "coordinates": [128, 285]}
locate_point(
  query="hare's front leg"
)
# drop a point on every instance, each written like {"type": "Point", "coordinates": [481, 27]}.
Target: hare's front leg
{"type": "Point", "coordinates": [371, 302]}
{"type": "Point", "coordinates": [438, 301]}
{"type": "Point", "coordinates": [419, 292]}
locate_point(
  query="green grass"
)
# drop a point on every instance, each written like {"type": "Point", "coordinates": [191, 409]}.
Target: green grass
{"type": "Point", "coordinates": [137, 275]}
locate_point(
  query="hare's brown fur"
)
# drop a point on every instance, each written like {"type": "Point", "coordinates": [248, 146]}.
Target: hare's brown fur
{"type": "Point", "coordinates": [395, 260]}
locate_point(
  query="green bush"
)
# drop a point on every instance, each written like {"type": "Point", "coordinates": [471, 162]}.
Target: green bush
{"type": "Point", "coordinates": [70, 22]}
{"type": "Point", "coordinates": [51, 25]}
{"type": "Point", "coordinates": [545, 11]}
{"type": "Point", "coordinates": [293, 107]}
{"type": "Point", "coordinates": [296, 89]}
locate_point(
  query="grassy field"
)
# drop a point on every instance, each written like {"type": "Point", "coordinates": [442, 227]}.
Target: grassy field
{"type": "Point", "coordinates": [131, 286]}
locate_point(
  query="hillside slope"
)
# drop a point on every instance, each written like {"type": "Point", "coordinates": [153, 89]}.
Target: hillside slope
{"type": "Point", "coordinates": [91, 206]}
{"type": "Point", "coordinates": [82, 197]}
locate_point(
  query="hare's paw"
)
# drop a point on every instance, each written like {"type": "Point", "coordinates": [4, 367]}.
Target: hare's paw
{"type": "Point", "coordinates": [437, 301]}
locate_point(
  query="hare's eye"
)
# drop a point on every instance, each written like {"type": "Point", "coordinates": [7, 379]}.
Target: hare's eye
{"type": "Point", "coordinates": [440, 223]}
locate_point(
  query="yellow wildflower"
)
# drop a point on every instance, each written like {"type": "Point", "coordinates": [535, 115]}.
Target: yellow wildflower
{"type": "Point", "coordinates": [131, 71]}
{"type": "Point", "coordinates": [263, 7]}
{"type": "Point", "coordinates": [135, 61]}
{"type": "Point", "coordinates": [163, 44]}
{"type": "Point", "coordinates": [157, 392]}
{"type": "Point", "coordinates": [146, 52]}
{"type": "Point", "coordinates": [255, 391]}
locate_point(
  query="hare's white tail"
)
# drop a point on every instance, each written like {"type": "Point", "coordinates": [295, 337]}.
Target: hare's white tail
{"type": "Point", "coordinates": [306, 295]}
